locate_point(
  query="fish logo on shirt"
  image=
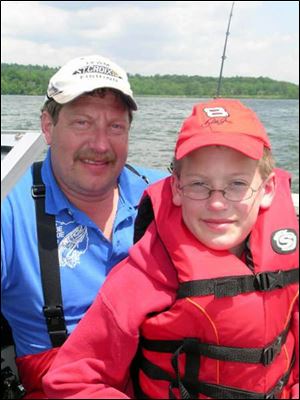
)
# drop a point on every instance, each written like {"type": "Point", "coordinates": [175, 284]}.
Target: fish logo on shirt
{"type": "Point", "coordinates": [72, 243]}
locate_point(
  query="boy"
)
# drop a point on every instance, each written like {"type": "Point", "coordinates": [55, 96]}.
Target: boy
{"type": "Point", "coordinates": [208, 295]}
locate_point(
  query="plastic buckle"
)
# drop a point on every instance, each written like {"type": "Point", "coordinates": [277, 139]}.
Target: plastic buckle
{"type": "Point", "coordinates": [270, 396]}
{"type": "Point", "coordinates": [271, 351]}
{"type": "Point", "coordinates": [38, 191]}
{"type": "Point", "coordinates": [54, 316]}
{"type": "Point", "coordinates": [277, 389]}
{"type": "Point", "coordinates": [269, 280]}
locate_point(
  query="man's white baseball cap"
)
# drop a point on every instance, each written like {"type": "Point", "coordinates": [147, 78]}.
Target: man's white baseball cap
{"type": "Point", "coordinates": [85, 74]}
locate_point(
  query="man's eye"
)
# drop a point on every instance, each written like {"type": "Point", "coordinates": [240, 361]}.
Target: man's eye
{"type": "Point", "coordinates": [81, 122]}
{"type": "Point", "coordinates": [117, 126]}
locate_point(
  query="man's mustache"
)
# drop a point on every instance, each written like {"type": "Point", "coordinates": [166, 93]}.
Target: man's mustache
{"type": "Point", "coordinates": [93, 155]}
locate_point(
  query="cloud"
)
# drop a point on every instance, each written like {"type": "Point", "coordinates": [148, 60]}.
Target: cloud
{"type": "Point", "coordinates": [156, 37]}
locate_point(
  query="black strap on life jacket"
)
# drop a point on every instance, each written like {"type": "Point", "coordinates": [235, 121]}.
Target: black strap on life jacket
{"type": "Point", "coordinates": [189, 387]}
{"type": "Point", "coordinates": [265, 355]}
{"type": "Point", "coordinates": [143, 219]}
{"type": "Point", "coordinates": [49, 263]}
{"type": "Point", "coordinates": [234, 285]}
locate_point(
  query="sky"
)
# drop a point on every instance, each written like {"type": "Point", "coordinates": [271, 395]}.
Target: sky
{"type": "Point", "coordinates": [157, 37]}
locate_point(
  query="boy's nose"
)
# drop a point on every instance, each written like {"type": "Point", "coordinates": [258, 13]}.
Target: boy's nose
{"type": "Point", "coordinates": [217, 201]}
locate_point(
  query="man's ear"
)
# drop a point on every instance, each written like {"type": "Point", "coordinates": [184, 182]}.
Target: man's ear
{"type": "Point", "coordinates": [269, 191]}
{"type": "Point", "coordinates": [47, 126]}
{"type": "Point", "coordinates": [175, 191]}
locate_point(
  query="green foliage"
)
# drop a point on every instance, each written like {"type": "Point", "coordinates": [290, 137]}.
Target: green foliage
{"type": "Point", "coordinates": [200, 86]}
{"type": "Point", "coordinates": [33, 80]}
{"type": "Point", "coordinates": [25, 79]}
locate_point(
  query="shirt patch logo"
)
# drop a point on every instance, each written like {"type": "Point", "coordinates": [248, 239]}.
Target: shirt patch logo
{"type": "Point", "coordinates": [73, 243]}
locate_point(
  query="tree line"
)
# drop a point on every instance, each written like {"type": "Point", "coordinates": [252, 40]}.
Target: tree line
{"type": "Point", "coordinates": [33, 80]}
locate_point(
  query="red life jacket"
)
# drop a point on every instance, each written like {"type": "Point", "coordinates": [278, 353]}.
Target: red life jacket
{"type": "Point", "coordinates": [228, 335]}
{"type": "Point", "coordinates": [32, 368]}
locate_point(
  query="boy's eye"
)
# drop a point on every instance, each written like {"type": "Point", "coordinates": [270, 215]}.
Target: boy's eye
{"type": "Point", "coordinates": [238, 184]}
{"type": "Point", "coordinates": [237, 187]}
{"type": "Point", "coordinates": [198, 187]}
{"type": "Point", "coordinates": [197, 184]}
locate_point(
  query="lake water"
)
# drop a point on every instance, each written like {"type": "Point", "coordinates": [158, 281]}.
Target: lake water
{"type": "Point", "coordinates": [156, 123]}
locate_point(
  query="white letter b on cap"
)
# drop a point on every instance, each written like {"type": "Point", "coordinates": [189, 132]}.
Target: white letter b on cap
{"type": "Point", "coordinates": [216, 112]}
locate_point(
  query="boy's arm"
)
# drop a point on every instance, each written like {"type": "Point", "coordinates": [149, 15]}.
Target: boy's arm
{"type": "Point", "coordinates": [94, 362]}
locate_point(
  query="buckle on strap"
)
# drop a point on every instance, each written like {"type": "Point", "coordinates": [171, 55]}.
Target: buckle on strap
{"type": "Point", "coordinates": [55, 324]}
{"type": "Point", "coordinates": [276, 391]}
{"type": "Point", "coordinates": [38, 191]}
{"type": "Point", "coordinates": [54, 317]}
{"type": "Point", "coordinates": [269, 280]}
{"type": "Point", "coordinates": [271, 351]}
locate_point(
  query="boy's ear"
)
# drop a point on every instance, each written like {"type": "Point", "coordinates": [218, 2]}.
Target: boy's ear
{"type": "Point", "coordinates": [176, 193]}
{"type": "Point", "coordinates": [269, 192]}
{"type": "Point", "coordinates": [47, 126]}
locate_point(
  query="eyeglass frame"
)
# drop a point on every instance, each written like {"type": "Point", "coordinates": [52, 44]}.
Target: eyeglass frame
{"type": "Point", "coordinates": [223, 191]}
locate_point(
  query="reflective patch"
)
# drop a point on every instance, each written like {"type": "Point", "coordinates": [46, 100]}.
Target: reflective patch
{"type": "Point", "coordinates": [284, 241]}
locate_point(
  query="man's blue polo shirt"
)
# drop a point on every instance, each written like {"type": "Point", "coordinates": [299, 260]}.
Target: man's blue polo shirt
{"type": "Point", "coordinates": [85, 255]}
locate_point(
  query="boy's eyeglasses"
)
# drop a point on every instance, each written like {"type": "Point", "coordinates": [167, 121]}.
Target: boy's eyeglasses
{"type": "Point", "coordinates": [236, 191]}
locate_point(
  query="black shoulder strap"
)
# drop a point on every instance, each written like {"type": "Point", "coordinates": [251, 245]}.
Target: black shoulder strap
{"type": "Point", "coordinates": [49, 263]}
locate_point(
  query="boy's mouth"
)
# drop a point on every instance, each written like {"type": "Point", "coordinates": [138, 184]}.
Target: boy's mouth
{"type": "Point", "coordinates": [218, 224]}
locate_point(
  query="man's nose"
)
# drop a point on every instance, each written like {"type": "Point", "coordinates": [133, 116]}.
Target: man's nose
{"type": "Point", "coordinates": [100, 139]}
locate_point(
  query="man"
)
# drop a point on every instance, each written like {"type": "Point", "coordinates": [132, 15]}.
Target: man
{"type": "Point", "coordinates": [85, 199]}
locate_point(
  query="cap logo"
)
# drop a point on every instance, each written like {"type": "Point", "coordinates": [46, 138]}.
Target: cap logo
{"type": "Point", "coordinates": [97, 69]}
{"type": "Point", "coordinates": [284, 241]}
{"type": "Point", "coordinates": [216, 112]}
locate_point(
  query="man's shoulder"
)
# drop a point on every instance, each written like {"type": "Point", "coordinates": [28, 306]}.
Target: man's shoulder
{"type": "Point", "coordinates": [22, 186]}
{"type": "Point", "coordinates": [18, 205]}
{"type": "Point", "coordinates": [150, 174]}
{"type": "Point", "coordinates": [135, 179]}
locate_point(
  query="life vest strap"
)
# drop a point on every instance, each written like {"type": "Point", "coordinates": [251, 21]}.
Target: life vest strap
{"type": "Point", "coordinates": [265, 355]}
{"type": "Point", "coordinates": [235, 285]}
{"type": "Point", "coordinates": [212, 390]}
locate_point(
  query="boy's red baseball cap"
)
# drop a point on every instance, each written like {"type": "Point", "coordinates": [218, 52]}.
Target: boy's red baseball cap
{"type": "Point", "coordinates": [224, 122]}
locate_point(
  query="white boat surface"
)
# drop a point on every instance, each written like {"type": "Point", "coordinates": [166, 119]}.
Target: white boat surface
{"type": "Point", "coordinates": [20, 149]}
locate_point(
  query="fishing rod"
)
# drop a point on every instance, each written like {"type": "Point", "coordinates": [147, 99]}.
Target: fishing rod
{"type": "Point", "coordinates": [224, 52]}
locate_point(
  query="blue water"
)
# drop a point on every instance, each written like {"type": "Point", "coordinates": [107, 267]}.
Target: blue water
{"type": "Point", "coordinates": [156, 123]}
